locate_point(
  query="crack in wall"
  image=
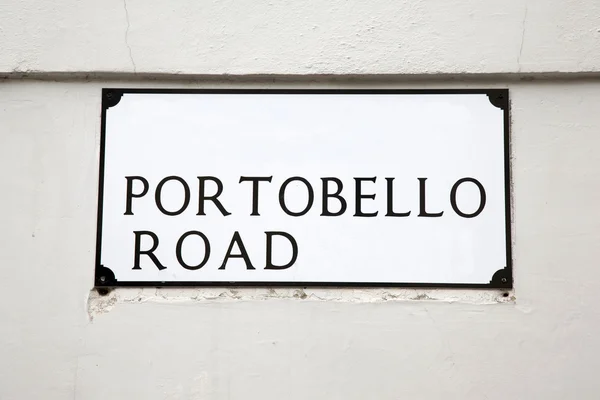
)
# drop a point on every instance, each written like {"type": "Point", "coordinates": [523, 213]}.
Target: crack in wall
{"type": "Point", "coordinates": [127, 36]}
{"type": "Point", "coordinates": [522, 39]}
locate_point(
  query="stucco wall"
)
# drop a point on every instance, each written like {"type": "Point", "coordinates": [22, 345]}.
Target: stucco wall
{"type": "Point", "coordinates": [300, 37]}
{"type": "Point", "coordinates": [60, 340]}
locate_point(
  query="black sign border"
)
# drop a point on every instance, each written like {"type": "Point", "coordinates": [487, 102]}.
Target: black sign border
{"type": "Point", "coordinates": [502, 279]}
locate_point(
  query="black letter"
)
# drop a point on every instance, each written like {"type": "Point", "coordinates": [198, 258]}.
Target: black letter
{"type": "Point", "coordinates": [326, 195]}
{"type": "Point", "coordinates": [243, 253]}
{"type": "Point", "coordinates": [311, 196]}
{"type": "Point", "coordinates": [359, 196]}
{"type": "Point", "coordinates": [390, 200]}
{"type": "Point", "coordinates": [130, 195]}
{"type": "Point", "coordinates": [422, 212]}
{"type": "Point", "coordinates": [289, 237]}
{"type": "Point", "coordinates": [481, 194]}
{"type": "Point", "coordinates": [186, 199]}
{"type": "Point", "coordinates": [255, 180]}
{"type": "Point", "coordinates": [137, 253]}
{"type": "Point", "coordinates": [206, 250]}
{"type": "Point", "coordinates": [212, 198]}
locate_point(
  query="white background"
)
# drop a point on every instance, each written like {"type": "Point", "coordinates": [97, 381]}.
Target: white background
{"type": "Point", "coordinates": [440, 137]}
{"type": "Point", "coordinates": [59, 340]}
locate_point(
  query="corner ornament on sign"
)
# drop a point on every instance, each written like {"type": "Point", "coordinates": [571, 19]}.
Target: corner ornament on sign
{"type": "Point", "coordinates": [404, 188]}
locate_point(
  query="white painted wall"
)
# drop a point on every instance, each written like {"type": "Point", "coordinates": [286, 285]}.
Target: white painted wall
{"type": "Point", "coordinates": [300, 37]}
{"type": "Point", "coordinates": [58, 340]}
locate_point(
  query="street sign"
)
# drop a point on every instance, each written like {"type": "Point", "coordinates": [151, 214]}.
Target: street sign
{"type": "Point", "coordinates": [304, 187]}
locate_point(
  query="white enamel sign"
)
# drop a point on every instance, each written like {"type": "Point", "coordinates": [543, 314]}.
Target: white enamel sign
{"type": "Point", "coordinates": [269, 187]}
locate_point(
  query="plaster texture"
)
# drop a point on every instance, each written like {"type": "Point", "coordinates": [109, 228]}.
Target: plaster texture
{"type": "Point", "coordinates": [338, 37]}
{"type": "Point", "coordinates": [59, 340]}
